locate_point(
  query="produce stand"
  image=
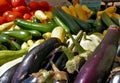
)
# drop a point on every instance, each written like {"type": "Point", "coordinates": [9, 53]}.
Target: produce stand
{"type": "Point", "coordinates": [59, 41]}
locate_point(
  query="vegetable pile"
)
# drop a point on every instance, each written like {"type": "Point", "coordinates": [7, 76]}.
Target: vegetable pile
{"type": "Point", "coordinates": [12, 9]}
{"type": "Point", "coordinates": [66, 44]}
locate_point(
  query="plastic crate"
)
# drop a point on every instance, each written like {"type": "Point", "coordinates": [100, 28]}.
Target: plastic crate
{"type": "Point", "coordinates": [111, 0]}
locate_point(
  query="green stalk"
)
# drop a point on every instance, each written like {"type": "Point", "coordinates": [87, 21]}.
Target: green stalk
{"type": "Point", "coordinates": [77, 38]}
{"type": "Point", "coordinates": [77, 45]}
{"type": "Point", "coordinates": [68, 53]}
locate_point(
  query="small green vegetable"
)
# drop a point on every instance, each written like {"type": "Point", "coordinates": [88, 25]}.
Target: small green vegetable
{"type": "Point", "coordinates": [20, 34]}
{"type": "Point", "coordinates": [68, 20]}
{"type": "Point", "coordinates": [34, 26]}
{"type": "Point", "coordinates": [107, 20]}
{"type": "Point", "coordinates": [34, 33]}
{"type": "Point", "coordinates": [7, 55]}
{"type": "Point", "coordinates": [4, 38]}
{"type": "Point", "coordinates": [60, 22]}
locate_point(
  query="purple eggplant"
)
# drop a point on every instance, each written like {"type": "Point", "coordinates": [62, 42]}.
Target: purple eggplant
{"type": "Point", "coordinates": [98, 66]}
{"type": "Point", "coordinates": [59, 59]}
{"type": "Point", "coordinates": [7, 76]}
{"type": "Point", "coordinates": [31, 62]}
{"type": "Point", "coordinates": [31, 79]}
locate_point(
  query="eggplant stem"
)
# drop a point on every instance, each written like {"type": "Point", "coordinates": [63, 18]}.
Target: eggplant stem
{"type": "Point", "coordinates": [54, 66]}
{"type": "Point", "coordinates": [68, 53]}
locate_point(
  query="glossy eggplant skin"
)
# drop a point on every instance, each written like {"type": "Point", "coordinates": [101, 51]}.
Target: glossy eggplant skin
{"type": "Point", "coordinates": [99, 64]}
{"type": "Point", "coordinates": [31, 62]}
{"type": "Point", "coordinates": [59, 59]}
{"type": "Point", "coordinates": [61, 81]}
{"type": "Point", "coordinates": [7, 76]}
{"type": "Point", "coordinates": [115, 78]}
{"type": "Point", "coordinates": [118, 50]}
{"type": "Point", "coordinates": [31, 79]}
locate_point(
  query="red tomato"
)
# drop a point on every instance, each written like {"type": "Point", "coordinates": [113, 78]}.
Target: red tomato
{"type": "Point", "coordinates": [9, 1]}
{"type": "Point", "coordinates": [27, 16]}
{"type": "Point", "coordinates": [10, 15]}
{"type": "Point", "coordinates": [32, 12]}
{"type": "Point", "coordinates": [21, 9]}
{"type": "Point", "coordinates": [44, 5]}
{"type": "Point", "coordinates": [34, 5]}
{"type": "Point", "coordinates": [4, 6]}
{"type": "Point", "coordinates": [16, 3]}
{"type": "Point", "coordinates": [2, 20]}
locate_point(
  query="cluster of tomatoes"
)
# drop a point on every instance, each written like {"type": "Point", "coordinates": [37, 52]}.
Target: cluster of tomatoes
{"type": "Point", "coordinates": [12, 9]}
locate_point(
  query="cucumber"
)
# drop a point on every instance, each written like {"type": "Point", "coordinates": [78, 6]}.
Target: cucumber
{"type": "Point", "coordinates": [107, 20]}
{"type": "Point", "coordinates": [115, 20]}
{"type": "Point", "coordinates": [98, 25]}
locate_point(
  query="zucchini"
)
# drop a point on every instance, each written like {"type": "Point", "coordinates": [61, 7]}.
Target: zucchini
{"type": "Point", "coordinates": [60, 22]}
{"type": "Point", "coordinates": [98, 25]}
{"type": "Point", "coordinates": [106, 19]}
{"type": "Point", "coordinates": [115, 20]}
{"type": "Point", "coordinates": [83, 24]}
{"type": "Point", "coordinates": [74, 27]}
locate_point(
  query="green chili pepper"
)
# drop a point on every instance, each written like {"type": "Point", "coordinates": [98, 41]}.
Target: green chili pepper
{"type": "Point", "coordinates": [34, 26]}
{"type": "Point", "coordinates": [4, 38]}
{"type": "Point", "coordinates": [7, 55]}
{"type": "Point", "coordinates": [20, 34]}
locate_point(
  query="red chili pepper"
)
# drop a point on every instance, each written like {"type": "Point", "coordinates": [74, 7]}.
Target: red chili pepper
{"type": "Point", "coordinates": [10, 15]}
{"type": "Point", "coordinates": [16, 3]}
{"type": "Point", "coordinates": [21, 9]}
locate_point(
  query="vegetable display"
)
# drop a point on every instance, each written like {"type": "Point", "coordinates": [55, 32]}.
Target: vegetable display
{"type": "Point", "coordinates": [101, 59]}
{"type": "Point", "coordinates": [34, 59]}
{"type": "Point", "coordinates": [70, 43]}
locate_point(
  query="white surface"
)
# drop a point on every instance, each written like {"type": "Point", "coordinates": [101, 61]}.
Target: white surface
{"type": "Point", "coordinates": [10, 64]}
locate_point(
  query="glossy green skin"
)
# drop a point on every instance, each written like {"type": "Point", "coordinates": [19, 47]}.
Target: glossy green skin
{"type": "Point", "coordinates": [20, 34]}
{"type": "Point", "coordinates": [34, 26]}
{"type": "Point", "coordinates": [4, 38]}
